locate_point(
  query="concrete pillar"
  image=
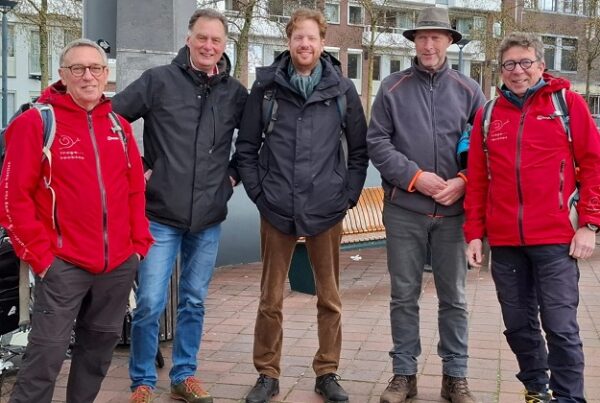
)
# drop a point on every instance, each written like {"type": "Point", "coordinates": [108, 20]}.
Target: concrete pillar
{"type": "Point", "coordinates": [149, 33]}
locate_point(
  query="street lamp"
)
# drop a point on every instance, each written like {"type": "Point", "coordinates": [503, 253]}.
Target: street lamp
{"type": "Point", "coordinates": [5, 7]}
{"type": "Point", "coordinates": [461, 44]}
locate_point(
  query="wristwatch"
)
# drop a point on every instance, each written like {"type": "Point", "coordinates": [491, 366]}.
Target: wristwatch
{"type": "Point", "coordinates": [592, 227]}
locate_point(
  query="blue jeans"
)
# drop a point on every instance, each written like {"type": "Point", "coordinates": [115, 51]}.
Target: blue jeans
{"type": "Point", "coordinates": [198, 254]}
{"type": "Point", "coordinates": [408, 235]}
{"type": "Point", "coordinates": [541, 282]}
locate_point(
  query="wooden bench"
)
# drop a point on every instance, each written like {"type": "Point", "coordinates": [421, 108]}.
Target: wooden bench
{"type": "Point", "coordinates": [362, 228]}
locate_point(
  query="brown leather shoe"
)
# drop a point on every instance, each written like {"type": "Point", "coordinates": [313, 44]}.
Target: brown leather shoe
{"type": "Point", "coordinates": [456, 390]}
{"type": "Point", "coordinates": [400, 388]}
{"type": "Point", "coordinates": [141, 394]}
{"type": "Point", "coordinates": [190, 391]}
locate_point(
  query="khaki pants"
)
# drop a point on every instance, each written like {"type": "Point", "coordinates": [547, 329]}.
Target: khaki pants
{"type": "Point", "coordinates": [324, 252]}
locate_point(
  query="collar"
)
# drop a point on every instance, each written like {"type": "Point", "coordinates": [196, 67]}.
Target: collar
{"type": "Point", "coordinates": [215, 69]}
{"type": "Point", "coordinates": [518, 101]}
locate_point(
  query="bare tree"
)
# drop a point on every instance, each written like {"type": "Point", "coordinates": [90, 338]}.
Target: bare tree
{"type": "Point", "coordinates": [381, 24]}
{"type": "Point", "coordinates": [589, 43]}
{"type": "Point", "coordinates": [45, 15]}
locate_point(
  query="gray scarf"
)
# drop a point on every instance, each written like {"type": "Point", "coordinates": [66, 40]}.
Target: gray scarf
{"type": "Point", "coordinates": [305, 85]}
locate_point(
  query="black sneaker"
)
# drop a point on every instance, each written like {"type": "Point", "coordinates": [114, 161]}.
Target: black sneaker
{"type": "Point", "coordinates": [328, 386]}
{"type": "Point", "coordinates": [538, 397]}
{"type": "Point", "coordinates": [265, 388]}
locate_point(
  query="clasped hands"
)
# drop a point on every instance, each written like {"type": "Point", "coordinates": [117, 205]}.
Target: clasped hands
{"type": "Point", "coordinates": [444, 192]}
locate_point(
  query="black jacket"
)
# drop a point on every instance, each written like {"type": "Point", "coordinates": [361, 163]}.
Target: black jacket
{"type": "Point", "coordinates": [189, 120]}
{"type": "Point", "coordinates": [298, 175]}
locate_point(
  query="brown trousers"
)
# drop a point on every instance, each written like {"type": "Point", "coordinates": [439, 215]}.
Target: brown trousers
{"type": "Point", "coordinates": [324, 252]}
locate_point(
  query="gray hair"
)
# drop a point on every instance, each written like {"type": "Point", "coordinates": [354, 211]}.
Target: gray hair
{"type": "Point", "coordinates": [77, 43]}
{"type": "Point", "coordinates": [524, 40]}
{"type": "Point", "coordinates": [210, 14]}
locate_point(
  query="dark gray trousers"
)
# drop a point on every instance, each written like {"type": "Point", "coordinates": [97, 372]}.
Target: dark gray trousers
{"type": "Point", "coordinates": [98, 302]}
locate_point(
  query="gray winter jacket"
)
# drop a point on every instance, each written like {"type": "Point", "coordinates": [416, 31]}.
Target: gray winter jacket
{"type": "Point", "coordinates": [297, 174]}
{"type": "Point", "coordinates": [416, 121]}
{"type": "Point", "coordinates": [189, 119]}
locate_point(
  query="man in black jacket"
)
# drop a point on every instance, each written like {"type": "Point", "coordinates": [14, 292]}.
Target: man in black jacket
{"type": "Point", "coordinates": [190, 109]}
{"type": "Point", "coordinates": [302, 182]}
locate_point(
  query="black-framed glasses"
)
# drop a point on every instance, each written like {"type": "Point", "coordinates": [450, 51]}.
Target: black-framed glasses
{"type": "Point", "coordinates": [78, 70]}
{"type": "Point", "coordinates": [525, 64]}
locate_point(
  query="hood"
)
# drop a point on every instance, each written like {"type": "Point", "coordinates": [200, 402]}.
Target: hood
{"type": "Point", "coordinates": [56, 95]}
{"type": "Point", "coordinates": [182, 60]}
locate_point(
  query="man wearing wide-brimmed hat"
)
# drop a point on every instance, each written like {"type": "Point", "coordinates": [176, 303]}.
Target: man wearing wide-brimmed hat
{"type": "Point", "coordinates": [417, 120]}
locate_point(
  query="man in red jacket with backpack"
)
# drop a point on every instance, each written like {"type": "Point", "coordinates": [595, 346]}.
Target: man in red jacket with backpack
{"type": "Point", "coordinates": [522, 170]}
{"type": "Point", "coordinates": [75, 213]}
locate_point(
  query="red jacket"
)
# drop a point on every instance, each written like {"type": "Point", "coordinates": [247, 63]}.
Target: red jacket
{"type": "Point", "coordinates": [96, 220]}
{"type": "Point", "coordinates": [532, 172]}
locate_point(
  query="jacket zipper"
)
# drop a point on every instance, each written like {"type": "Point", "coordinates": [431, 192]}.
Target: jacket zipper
{"type": "Point", "coordinates": [518, 174]}
{"type": "Point", "coordinates": [561, 184]}
{"type": "Point", "coordinates": [435, 156]}
{"type": "Point", "coordinates": [214, 132]}
{"type": "Point", "coordinates": [102, 190]}
{"type": "Point", "coordinates": [59, 239]}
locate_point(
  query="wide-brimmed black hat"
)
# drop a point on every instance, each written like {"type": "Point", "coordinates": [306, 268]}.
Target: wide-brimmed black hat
{"type": "Point", "coordinates": [433, 18]}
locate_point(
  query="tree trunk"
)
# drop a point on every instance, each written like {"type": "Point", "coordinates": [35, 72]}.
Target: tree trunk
{"type": "Point", "coordinates": [241, 47]}
{"type": "Point", "coordinates": [43, 29]}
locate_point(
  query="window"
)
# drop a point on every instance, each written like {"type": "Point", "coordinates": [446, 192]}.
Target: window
{"type": "Point", "coordinates": [332, 12]}
{"type": "Point", "coordinates": [34, 54]}
{"type": "Point", "coordinates": [335, 52]}
{"type": "Point", "coordinates": [464, 26]}
{"type": "Point", "coordinates": [355, 14]}
{"type": "Point", "coordinates": [10, 51]}
{"type": "Point", "coordinates": [549, 5]}
{"type": "Point", "coordinates": [287, 7]}
{"type": "Point", "coordinates": [232, 5]}
{"type": "Point", "coordinates": [395, 65]}
{"type": "Point", "coordinates": [406, 20]}
{"type": "Point", "coordinates": [590, 8]}
{"type": "Point", "coordinates": [560, 54]}
{"type": "Point", "coordinates": [570, 6]}
{"type": "Point", "coordinates": [354, 66]}
{"type": "Point", "coordinates": [444, 2]}
{"type": "Point", "coordinates": [376, 68]}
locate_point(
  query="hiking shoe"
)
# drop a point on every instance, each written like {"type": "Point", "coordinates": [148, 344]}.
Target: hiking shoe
{"type": "Point", "coordinates": [400, 388]}
{"type": "Point", "coordinates": [265, 388]}
{"type": "Point", "coordinates": [456, 390]}
{"type": "Point", "coordinates": [190, 391]}
{"type": "Point", "coordinates": [328, 386]}
{"type": "Point", "coordinates": [141, 394]}
{"type": "Point", "coordinates": [538, 397]}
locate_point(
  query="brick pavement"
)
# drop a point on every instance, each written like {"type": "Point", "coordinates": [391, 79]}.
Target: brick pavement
{"type": "Point", "coordinates": [225, 361]}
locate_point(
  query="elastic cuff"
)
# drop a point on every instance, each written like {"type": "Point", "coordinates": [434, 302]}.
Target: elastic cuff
{"type": "Point", "coordinates": [414, 180]}
{"type": "Point", "coordinates": [463, 177]}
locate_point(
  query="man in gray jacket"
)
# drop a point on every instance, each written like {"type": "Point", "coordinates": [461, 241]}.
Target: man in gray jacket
{"type": "Point", "coordinates": [190, 108]}
{"type": "Point", "coordinates": [302, 182]}
{"type": "Point", "coordinates": [417, 119]}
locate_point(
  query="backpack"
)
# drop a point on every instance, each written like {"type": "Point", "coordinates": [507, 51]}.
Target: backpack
{"type": "Point", "coordinates": [559, 100]}
{"type": "Point", "coordinates": [270, 107]}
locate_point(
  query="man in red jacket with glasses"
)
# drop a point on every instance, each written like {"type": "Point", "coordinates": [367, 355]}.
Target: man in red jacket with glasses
{"type": "Point", "coordinates": [521, 174]}
{"type": "Point", "coordinates": [77, 217]}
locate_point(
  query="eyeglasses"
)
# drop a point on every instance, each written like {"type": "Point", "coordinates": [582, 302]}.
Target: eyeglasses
{"type": "Point", "coordinates": [78, 70]}
{"type": "Point", "coordinates": [525, 64]}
